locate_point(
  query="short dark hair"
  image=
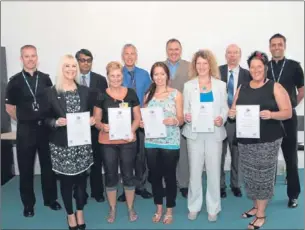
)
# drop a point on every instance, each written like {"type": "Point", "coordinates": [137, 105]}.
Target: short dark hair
{"type": "Point", "coordinates": [84, 52]}
{"type": "Point", "coordinates": [277, 36]}
{"type": "Point", "coordinates": [258, 55]}
{"type": "Point", "coordinates": [173, 40]}
{"type": "Point", "coordinates": [27, 47]}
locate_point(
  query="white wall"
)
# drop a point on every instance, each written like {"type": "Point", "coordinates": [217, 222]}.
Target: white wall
{"type": "Point", "coordinates": [57, 28]}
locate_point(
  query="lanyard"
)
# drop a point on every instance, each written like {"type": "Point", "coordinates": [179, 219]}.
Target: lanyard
{"type": "Point", "coordinates": [26, 81]}
{"type": "Point", "coordinates": [280, 71]}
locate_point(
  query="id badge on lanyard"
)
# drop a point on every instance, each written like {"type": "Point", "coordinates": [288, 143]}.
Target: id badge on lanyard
{"type": "Point", "coordinates": [35, 105]}
{"type": "Point", "coordinates": [280, 74]}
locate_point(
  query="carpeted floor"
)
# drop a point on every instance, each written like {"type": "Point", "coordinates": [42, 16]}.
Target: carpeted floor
{"type": "Point", "coordinates": [278, 215]}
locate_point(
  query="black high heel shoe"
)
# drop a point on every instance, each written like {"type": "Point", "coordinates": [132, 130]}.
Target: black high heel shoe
{"type": "Point", "coordinates": [82, 226]}
{"type": "Point", "coordinates": [71, 228]}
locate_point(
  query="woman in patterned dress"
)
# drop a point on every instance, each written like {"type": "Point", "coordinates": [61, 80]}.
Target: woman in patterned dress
{"type": "Point", "coordinates": [71, 163]}
{"type": "Point", "coordinates": [258, 157]}
{"type": "Point", "coordinates": [163, 153]}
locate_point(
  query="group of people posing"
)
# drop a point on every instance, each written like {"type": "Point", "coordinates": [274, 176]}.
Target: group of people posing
{"type": "Point", "coordinates": [180, 88]}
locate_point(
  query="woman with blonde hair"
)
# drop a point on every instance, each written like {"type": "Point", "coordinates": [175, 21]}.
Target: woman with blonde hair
{"type": "Point", "coordinates": [204, 90]}
{"type": "Point", "coordinates": [71, 163]}
{"type": "Point", "coordinates": [118, 151]}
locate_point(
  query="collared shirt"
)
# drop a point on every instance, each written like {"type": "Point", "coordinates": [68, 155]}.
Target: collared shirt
{"type": "Point", "coordinates": [87, 78]}
{"type": "Point", "coordinates": [235, 77]}
{"type": "Point", "coordinates": [142, 81]}
{"type": "Point", "coordinates": [18, 94]}
{"type": "Point", "coordinates": [172, 68]}
{"type": "Point", "coordinates": [292, 77]}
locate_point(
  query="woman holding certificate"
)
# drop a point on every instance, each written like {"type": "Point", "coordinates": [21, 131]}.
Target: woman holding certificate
{"type": "Point", "coordinates": [259, 107]}
{"type": "Point", "coordinates": [163, 150]}
{"type": "Point", "coordinates": [67, 99]}
{"type": "Point", "coordinates": [205, 112]}
{"type": "Point", "coordinates": [118, 116]}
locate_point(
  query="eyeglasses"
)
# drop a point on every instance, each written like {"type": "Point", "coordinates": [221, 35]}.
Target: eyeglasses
{"type": "Point", "coordinates": [83, 60]}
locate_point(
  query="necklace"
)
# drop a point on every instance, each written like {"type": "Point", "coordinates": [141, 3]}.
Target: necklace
{"type": "Point", "coordinates": [205, 86]}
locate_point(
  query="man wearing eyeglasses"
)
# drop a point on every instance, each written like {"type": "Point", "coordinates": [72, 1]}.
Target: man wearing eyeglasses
{"type": "Point", "coordinates": [97, 84]}
{"type": "Point", "coordinates": [139, 80]}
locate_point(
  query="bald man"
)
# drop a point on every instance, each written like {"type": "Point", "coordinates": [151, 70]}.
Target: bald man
{"type": "Point", "coordinates": [234, 76]}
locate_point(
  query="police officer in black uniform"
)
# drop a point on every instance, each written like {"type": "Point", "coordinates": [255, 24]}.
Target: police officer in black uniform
{"type": "Point", "coordinates": [290, 75]}
{"type": "Point", "coordinates": [25, 103]}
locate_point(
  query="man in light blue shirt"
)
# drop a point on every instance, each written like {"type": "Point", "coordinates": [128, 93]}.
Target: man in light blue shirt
{"type": "Point", "coordinates": [139, 80]}
{"type": "Point", "coordinates": [134, 77]}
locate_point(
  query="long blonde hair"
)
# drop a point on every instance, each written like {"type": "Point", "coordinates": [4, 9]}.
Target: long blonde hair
{"type": "Point", "coordinates": [60, 76]}
{"type": "Point", "coordinates": [210, 57]}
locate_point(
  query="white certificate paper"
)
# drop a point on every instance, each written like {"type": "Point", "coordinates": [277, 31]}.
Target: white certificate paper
{"type": "Point", "coordinates": [119, 123]}
{"type": "Point", "coordinates": [247, 121]}
{"type": "Point", "coordinates": [203, 118]}
{"type": "Point", "coordinates": [78, 129]}
{"type": "Point", "coordinates": [153, 122]}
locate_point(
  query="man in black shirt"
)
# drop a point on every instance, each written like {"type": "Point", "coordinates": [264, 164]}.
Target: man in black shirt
{"type": "Point", "coordinates": [25, 103]}
{"type": "Point", "coordinates": [97, 84]}
{"type": "Point", "coordinates": [290, 75]}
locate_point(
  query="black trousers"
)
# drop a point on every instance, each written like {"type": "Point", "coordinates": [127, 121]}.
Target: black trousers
{"type": "Point", "coordinates": [162, 163]}
{"type": "Point", "coordinates": [141, 170]}
{"type": "Point", "coordinates": [290, 152]}
{"type": "Point", "coordinates": [32, 137]}
{"type": "Point", "coordinates": [76, 183]}
{"type": "Point", "coordinates": [96, 177]}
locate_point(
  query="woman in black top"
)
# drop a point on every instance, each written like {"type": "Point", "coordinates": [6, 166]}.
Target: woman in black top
{"type": "Point", "coordinates": [71, 163]}
{"type": "Point", "coordinates": [118, 152]}
{"type": "Point", "coordinates": [258, 157]}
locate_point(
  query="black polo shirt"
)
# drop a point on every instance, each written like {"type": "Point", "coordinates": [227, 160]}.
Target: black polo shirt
{"type": "Point", "coordinates": [18, 94]}
{"type": "Point", "coordinates": [292, 77]}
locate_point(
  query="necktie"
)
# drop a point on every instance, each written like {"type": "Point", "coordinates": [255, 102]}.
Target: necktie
{"type": "Point", "coordinates": [84, 80]}
{"type": "Point", "coordinates": [230, 89]}
{"type": "Point", "coordinates": [132, 79]}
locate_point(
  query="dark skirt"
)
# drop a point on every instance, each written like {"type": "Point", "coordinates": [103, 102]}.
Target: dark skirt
{"type": "Point", "coordinates": [258, 164]}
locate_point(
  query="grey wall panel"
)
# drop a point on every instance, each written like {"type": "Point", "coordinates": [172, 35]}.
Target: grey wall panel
{"type": "Point", "coordinates": [5, 119]}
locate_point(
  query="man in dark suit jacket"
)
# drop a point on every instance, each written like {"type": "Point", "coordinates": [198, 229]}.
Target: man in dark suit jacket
{"type": "Point", "coordinates": [97, 84]}
{"type": "Point", "coordinates": [234, 76]}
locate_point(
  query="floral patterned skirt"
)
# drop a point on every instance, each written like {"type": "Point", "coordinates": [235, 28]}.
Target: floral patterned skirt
{"type": "Point", "coordinates": [71, 160]}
